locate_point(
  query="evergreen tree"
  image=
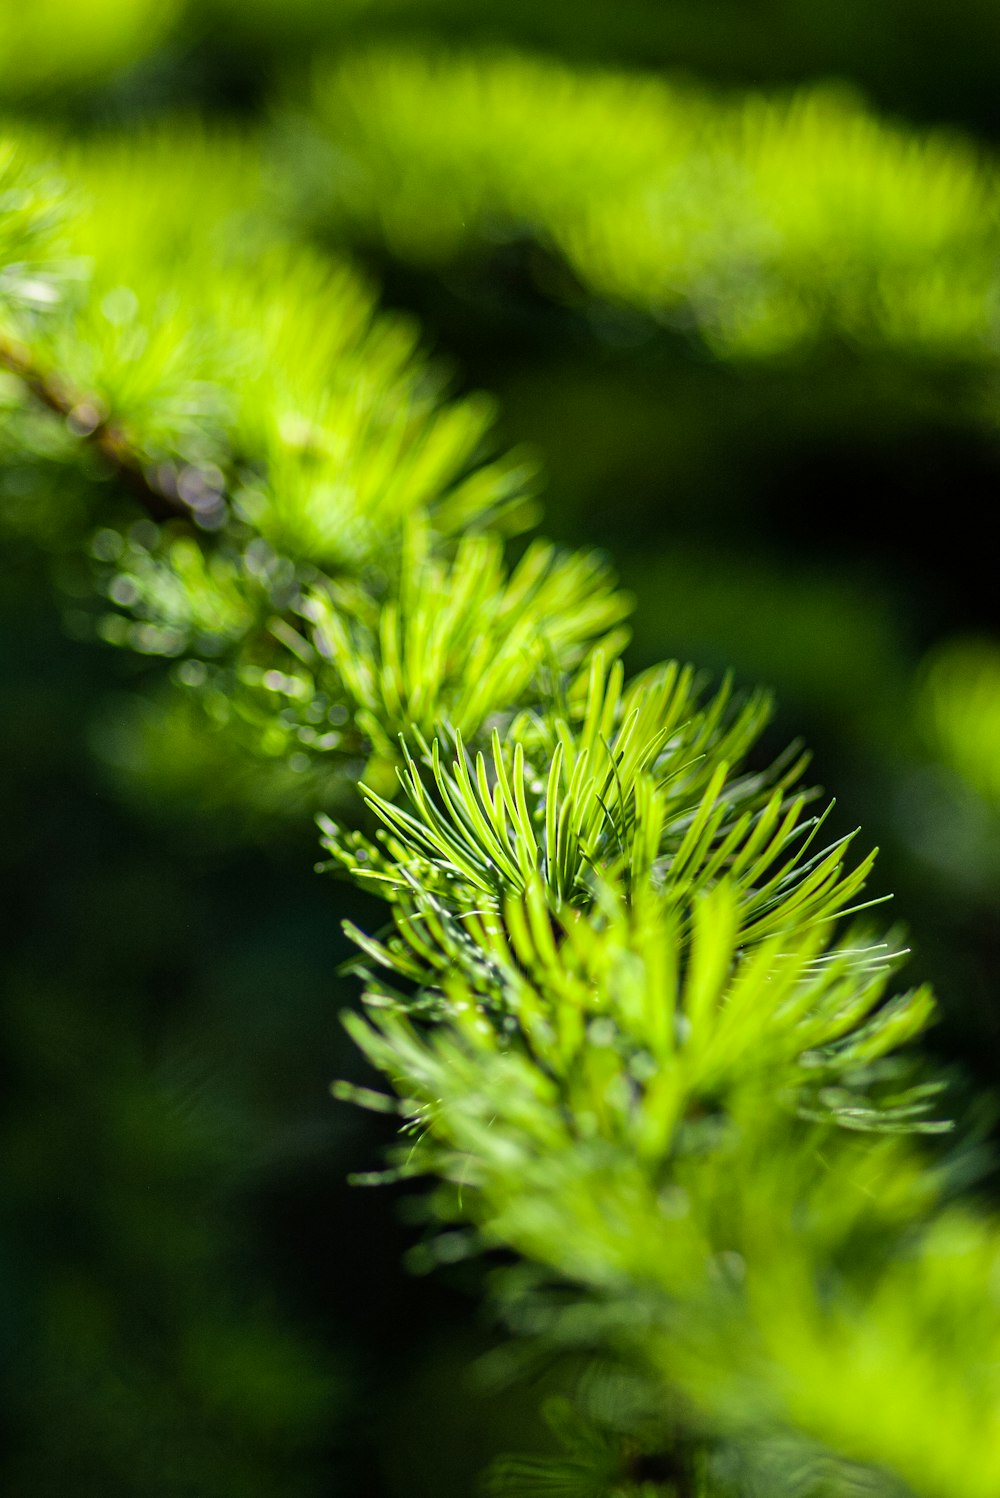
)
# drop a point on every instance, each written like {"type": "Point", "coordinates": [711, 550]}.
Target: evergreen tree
{"type": "Point", "coordinates": [633, 1006]}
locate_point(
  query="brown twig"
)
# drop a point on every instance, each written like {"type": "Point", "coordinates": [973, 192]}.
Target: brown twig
{"type": "Point", "coordinates": [88, 420]}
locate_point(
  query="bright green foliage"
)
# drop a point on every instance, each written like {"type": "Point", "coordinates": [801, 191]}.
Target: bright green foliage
{"type": "Point", "coordinates": [271, 407]}
{"type": "Point", "coordinates": [703, 1262]}
{"type": "Point", "coordinates": [960, 709]}
{"type": "Point", "coordinates": [952, 787]}
{"type": "Point", "coordinates": [633, 962]}
{"type": "Point", "coordinates": [464, 639]}
{"type": "Point", "coordinates": [28, 223]}
{"type": "Point", "coordinates": [765, 223]}
{"type": "Point", "coordinates": [49, 44]}
{"type": "Point", "coordinates": [633, 781]}
{"type": "Point", "coordinates": [269, 388]}
{"type": "Point", "coordinates": [635, 789]}
{"type": "Point", "coordinates": [623, 1019]}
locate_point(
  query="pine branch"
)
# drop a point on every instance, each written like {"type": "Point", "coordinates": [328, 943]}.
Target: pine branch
{"type": "Point", "coordinates": [628, 1031]}
{"type": "Point", "coordinates": [763, 223]}
{"type": "Point", "coordinates": [93, 425]}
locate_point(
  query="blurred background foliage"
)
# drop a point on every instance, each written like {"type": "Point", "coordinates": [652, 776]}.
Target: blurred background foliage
{"type": "Point", "coordinates": [752, 340]}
